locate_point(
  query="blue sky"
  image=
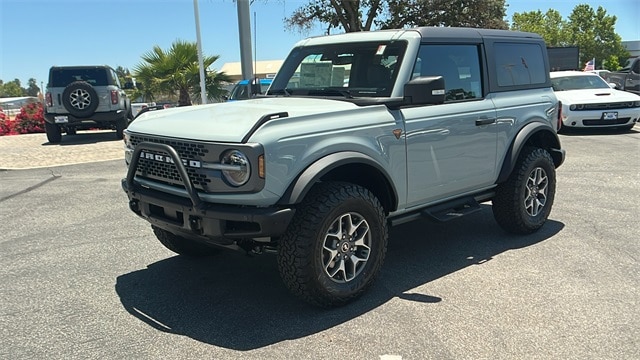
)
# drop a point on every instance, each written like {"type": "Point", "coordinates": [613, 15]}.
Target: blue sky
{"type": "Point", "coordinates": [36, 34]}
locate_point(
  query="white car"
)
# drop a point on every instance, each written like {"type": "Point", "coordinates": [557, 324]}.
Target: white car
{"type": "Point", "coordinates": [588, 101]}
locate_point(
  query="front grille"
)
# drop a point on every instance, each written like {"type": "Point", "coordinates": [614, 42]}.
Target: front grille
{"type": "Point", "coordinates": [164, 171]}
{"type": "Point", "coordinates": [185, 149]}
{"type": "Point", "coordinates": [600, 122]}
{"type": "Point", "coordinates": [608, 106]}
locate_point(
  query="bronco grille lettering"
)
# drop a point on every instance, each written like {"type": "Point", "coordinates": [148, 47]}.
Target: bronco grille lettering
{"type": "Point", "coordinates": [168, 160]}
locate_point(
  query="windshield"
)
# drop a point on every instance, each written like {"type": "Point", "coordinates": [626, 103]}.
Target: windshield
{"type": "Point", "coordinates": [348, 70]}
{"type": "Point", "coordinates": [242, 91]}
{"type": "Point", "coordinates": [578, 83]}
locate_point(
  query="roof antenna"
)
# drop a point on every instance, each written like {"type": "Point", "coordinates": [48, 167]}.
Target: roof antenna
{"type": "Point", "coordinates": [255, 45]}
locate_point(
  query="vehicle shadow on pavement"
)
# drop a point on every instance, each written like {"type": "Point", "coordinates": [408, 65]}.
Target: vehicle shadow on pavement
{"type": "Point", "coordinates": [238, 302]}
{"type": "Point", "coordinates": [85, 137]}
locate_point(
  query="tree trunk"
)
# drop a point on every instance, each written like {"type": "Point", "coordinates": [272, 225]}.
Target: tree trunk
{"type": "Point", "coordinates": [185, 99]}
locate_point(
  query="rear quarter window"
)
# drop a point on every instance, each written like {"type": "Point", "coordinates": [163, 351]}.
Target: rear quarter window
{"type": "Point", "coordinates": [519, 64]}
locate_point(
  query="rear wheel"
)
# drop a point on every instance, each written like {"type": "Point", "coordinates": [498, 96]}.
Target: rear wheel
{"type": "Point", "coordinates": [522, 204]}
{"type": "Point", "coordinates": [183, 246]}
{"type": "Point", "coordinates": [54, 133]}
{"type": "Point", "coordinates": [334, 246]}
{"type": "Point", "coordinates": [121, 124]}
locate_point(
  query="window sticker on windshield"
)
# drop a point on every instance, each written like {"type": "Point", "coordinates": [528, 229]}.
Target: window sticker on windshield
{"type": "Point", "coordinates": [381, 49]}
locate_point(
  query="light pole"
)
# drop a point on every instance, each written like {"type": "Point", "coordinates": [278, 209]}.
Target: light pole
{"type": "Point", "coordinates": [244, 32]}
{"type": "Point", "coordinates": [203, 86]}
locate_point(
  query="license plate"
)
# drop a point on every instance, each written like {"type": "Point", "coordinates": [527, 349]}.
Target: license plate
{"type": "Point", "coordinates": [61, 119]}
{"type": "Point", "coordinates": [610, 115]}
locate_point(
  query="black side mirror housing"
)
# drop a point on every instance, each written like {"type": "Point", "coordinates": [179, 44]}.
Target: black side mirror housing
{"type": "Point", "coordinates": [425, 90]}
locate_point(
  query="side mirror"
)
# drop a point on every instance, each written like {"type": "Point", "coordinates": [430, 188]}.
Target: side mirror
{"type": "Point", "coordinates": [255, 87]}
{"type": "Point", "coordinates": [426, 90]}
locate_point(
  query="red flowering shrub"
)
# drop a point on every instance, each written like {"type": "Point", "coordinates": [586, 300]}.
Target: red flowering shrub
{"type": "Point", "coordinates": [30, 119]}
{"type": "Point", "coordinates": [6, 125]}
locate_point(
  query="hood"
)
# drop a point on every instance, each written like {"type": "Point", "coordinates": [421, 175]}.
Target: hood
{"type": "Point", "coordinates": [595, 96]}
{"type": "Point", "coordinates": [229, 121]}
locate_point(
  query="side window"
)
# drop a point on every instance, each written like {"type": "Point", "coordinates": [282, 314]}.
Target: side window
{"type": "Point", "coordinates": [636, 67]}
{"type": "Point", "coordinates": [519, 64]}
{"type": "Point", "coordinates": [114, 75]}
{"type": "Point", "coordinates": [458, 64]}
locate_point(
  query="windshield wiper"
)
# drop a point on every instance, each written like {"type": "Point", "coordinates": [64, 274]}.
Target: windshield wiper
{"type": "Point", "coordinates": [283, 91]}
{"type": "Point", "coordinates": [331, 92]}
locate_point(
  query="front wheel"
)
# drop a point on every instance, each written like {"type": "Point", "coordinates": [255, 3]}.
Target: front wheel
{"type": "Point", "coordinates": [334, 246]}
{"type": "Point", "coordinates": [522, 204]}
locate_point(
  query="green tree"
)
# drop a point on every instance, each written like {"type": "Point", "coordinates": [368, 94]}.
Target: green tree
{"type": "Point", "coordinates": [350, 15]}
{"type": "Point", "coordinates": [549, 25]}
{"type": "Point", "coordinates": [594, 32]}
{"type": "Point", "coordinates": [122, 72]}
{"type": "Point", "coordinates": [364, 15]}
{"type": "Point", "coordinates": [33, 89]}
{"type": "Point", "coordinates": [176, 70]}
{"type": "Point", "coordinates": [463, 13]}
{"type": "Point", "coordinates": [124, 75]}
{"type": "Point", "coordinates": [12, 89]}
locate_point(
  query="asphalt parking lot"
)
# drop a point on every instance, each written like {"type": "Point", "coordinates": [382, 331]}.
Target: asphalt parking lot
{"type": "Point", "coordinates": [83, 278]}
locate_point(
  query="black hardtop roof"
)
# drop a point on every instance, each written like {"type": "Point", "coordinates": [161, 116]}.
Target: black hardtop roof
{"type": "Point", "coordinates": [472, 34]}
{"type": "Point", "coordinates": [55, 67]}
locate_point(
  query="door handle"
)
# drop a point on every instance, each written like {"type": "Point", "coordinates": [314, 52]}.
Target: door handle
{"type": "Point", "coordinates": [485, 121]}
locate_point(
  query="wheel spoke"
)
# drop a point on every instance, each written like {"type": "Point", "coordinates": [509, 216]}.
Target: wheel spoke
{"type": "Point", "coordinates": [536, 191]}
{"type": "Point", "coordinates": [346, 247]}
{"type": "Point", "coordinates": [335, 267]}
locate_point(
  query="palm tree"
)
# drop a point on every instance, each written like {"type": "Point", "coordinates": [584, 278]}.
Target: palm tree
{"type": "Point", "coordinates": [177, 70]}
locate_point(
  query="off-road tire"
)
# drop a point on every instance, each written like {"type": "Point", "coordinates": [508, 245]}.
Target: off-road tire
{"type": "Point", "coordinates": [308, 249]}
{"type": "Point", "coordinates": [80, 99]}
{"type": "Point", "coordinates": [522, 204]}
{"type": "Point", "coordinates": [183, 246]}
{"type": "Point", "coordinates": [54, 133]}
{"type": "Point", "coordinates": [121, 124]}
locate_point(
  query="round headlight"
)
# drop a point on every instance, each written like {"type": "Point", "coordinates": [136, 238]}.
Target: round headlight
{"type": "Point", "coordinates": [127, 140]}
{"type": "Point", "coordinates": [236, 167]}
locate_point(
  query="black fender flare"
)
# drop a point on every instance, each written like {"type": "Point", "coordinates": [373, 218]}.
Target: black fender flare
{"type": "Point", "coordinates": [299, 188]}
{"type": "Point", "coordinates": [549, 140]}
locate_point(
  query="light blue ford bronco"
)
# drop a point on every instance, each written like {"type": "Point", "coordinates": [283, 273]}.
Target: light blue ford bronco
{"type": "Point", "coordinates": [358, 132]}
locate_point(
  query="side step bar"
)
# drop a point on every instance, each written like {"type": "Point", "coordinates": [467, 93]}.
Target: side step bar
{"type": "Point", "coordinates": [443, 212]}
{"type": "Point", "coordinates": [450, 211]}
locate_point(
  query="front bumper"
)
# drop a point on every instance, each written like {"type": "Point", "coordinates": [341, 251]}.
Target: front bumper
{"type": "Point", "coordinates": [191, 217]}
{"type": "Point", "coordinates": [597, 118]}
